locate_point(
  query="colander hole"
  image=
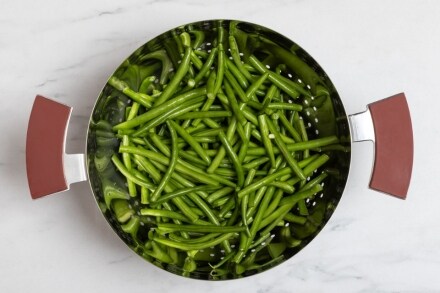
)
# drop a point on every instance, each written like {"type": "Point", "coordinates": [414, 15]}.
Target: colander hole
{"type": "Point", "coordinates": [316, 131]}
{"type": "Point", "coordinates": [267, 66]}
{"type": "Point", "coordinates": [289, 75]}
{"type": "Point", "coordinates": [314, 108]}
{"type": "Point", "coordinates": [309, 124]}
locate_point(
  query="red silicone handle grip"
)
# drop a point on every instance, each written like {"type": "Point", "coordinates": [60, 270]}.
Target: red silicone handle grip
{"type": "Point", "coordinates": [45, 147]}
{"type": "Point", "coordinates": [393, 146]}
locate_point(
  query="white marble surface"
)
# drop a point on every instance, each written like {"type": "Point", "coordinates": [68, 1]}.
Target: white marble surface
{"type": "Point", "coordinates": [370, 49]}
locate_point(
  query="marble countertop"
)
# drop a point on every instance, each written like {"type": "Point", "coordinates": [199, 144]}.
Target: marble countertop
{"type": "Point", "coordinates": [371, 49]}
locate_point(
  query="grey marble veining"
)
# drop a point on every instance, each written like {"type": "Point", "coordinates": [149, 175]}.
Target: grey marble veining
{"type": "Point", "coordinates": [371, 49]}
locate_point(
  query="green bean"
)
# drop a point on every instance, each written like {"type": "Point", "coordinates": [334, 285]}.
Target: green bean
{"type": "Point", "coordinates": [304, 136]}
{"type": "Point", "coordinates": [210, 179]}
{"type": "Point", "coordinates": [236, 57]}
{"type": "Point", "coordinates": [295, 219]}
{"type": "Point", "coordinates": [166, 63]}
{"type": "Point", "coordinates": [222, 201]}
{"type": "Point", "coordinates": [292, 199]}
{"type": "Point", "coordinates": [284, 186]}
{"type": "Point", "coordinates": [220, 71]}
{"type": "Point", "coordinates": [299, 146]}
{"type": "Point", "coordinates": [206, 66]}
{"type": "Point", "coordinates": [171, 166]}
{"type": "Point", "coordinates": [241, 79]}
{"type": "Point", "coordinates": [177, 78]}
{"type": "Point", "coordinates": [168, 228]}
{"type": "Point", "coordinates": [178, 110]}
{"type": "Point", "coordinates": [244, 147]}
{"type": "Point", "coordinates": [200, 239]}
{"type": "Point", "coordinates": [255, 85]}
{"type": "Point", "coordinates": [191, 141]}
{"type": "Point", "coordinates": [191, 158]}
{"type": "Point", "coordinates": [210, 84]}
{"type": "Point", "coordinates": [184, 191]}
{"type": "Point", "coordinates": [159, 110]}
{"type": "Point", "coordinates": [285, 152]}
{"type": "Point", "coordinates": [163, 213]}
{"type": "Point", "coordinates": [233, 103]}
{"type": "Point", "coordinates": [288, 126]}
{"type": "Point", "coordinates": [199, 38]}
{"type": "Point", "coordinates": [237, 88]}
{"type": "Point", "coordinates": [233, 156]}
{"type": "Point", "coordinates": [222, 151]}
{"type": "Point", "coordinates": [255, 163]}
{"type": "Point", "coordinates": [219, 194]}
{"type": "Point", "coordinates": [244, 200]}
{"type": "Point", "coordinates": [196, 61]}
{"type": "Point", "coordinates": [264, 130]}
{"type": "Point", "coordinates": [145, 195]}
{"type": "Point", "coordinates": [208, 132]}
{"type": "Point", "coordinates": [120, 166]}
{"type": "Point", "coordinates": [194, 246]}
{"type": "Point", "coordinates": [204, 114]}
{"type": "Point", "coordinates": [229, 205]}
{"type": "Point", "coordinates": [281, 83]}
{"type": "Point", "coordinates": [285, 106]}
{"type": "Point", "coordinates": [120, 85]}
{"type": "Point", "coordinates": [264, 181]}
{"type": "Point", "coordinates": [127, 162]}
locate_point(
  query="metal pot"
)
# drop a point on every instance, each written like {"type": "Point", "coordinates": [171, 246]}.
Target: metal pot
{"type": "Point", "coordinates": [386, 122]}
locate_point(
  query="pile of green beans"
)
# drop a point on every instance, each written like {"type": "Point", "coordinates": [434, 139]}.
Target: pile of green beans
{"type": "Point", "coordinates": [219, 164]}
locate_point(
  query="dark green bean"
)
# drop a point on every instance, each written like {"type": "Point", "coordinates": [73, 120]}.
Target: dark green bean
{"type": "Point", "coordinates": [299, 146]}
{"type": "Point", "coordinates": [204, 114]}
{"type": "Point", "coordinates": [159, 110]}
{"type": "Point", "coordinates": [194, 246]}
{"type": "Point", "coordinates": [233, 156]}
{"type": "Point", "coordinates": [171, 166]}
{"type": "Point", "coordinates": [168, 228]}
{"type": "Point", "coordinates": [185, 191]}
{"type": "Point", "coordinates": [285, 152]}
{"type": "Point", "coordinates": [264, 130]}
{"type": "Point", "coordinates": [192, 142]}
{"type": "Point", "coordinates": [233, 103]}
{"type": "Point", "coordinates": [177, 78]}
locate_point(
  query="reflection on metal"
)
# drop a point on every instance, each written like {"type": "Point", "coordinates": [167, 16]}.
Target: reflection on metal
{"type": "Point", "coordinates": [361, 126]}
{"type": "Point", "coordinates": [74, 168]}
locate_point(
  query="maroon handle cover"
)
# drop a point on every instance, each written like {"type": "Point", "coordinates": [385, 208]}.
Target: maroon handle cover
{"type": "Point", "coordinates": [393, 146]}
{"type": "Point", "coordinates": [45, 147]}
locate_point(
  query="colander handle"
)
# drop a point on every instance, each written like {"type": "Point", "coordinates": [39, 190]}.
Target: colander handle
{"type": "Point", "coordinates": [49, 169]}
{"type": "Point", "coordinates": [388, 123]}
